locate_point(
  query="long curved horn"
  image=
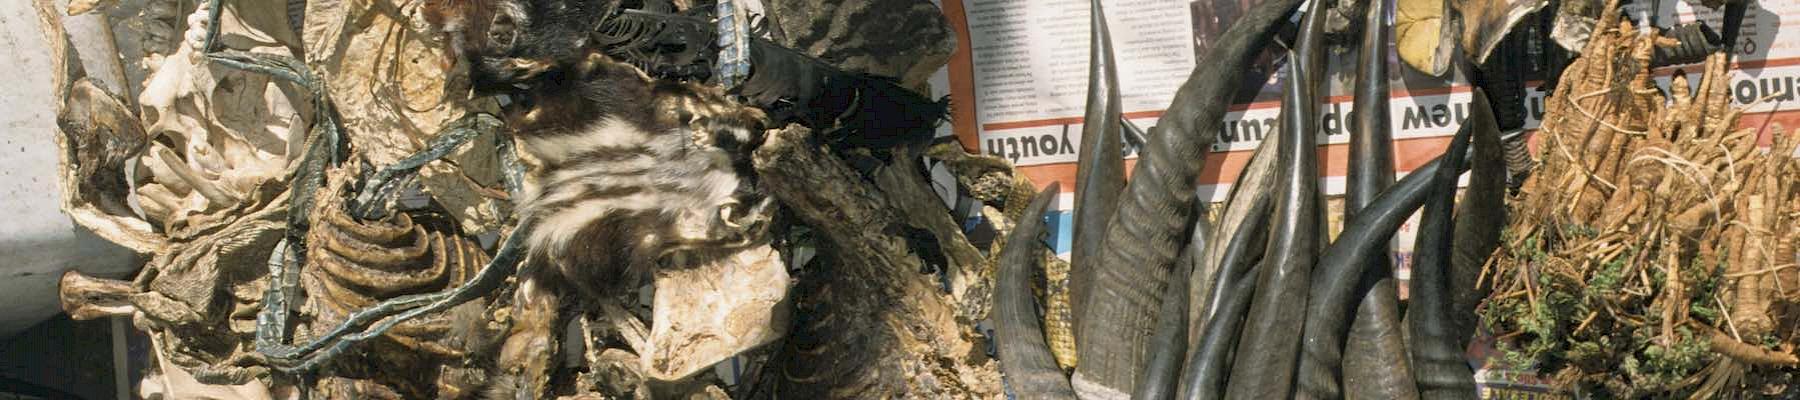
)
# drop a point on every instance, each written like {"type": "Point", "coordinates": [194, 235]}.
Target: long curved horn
{"type": "Point", "coordinates": [1025, 357]}
{"type": "Point", "coordinates": [1480, 216]}
{"type": "Point", "coordinates": [1204, 376]}
{"type": "Point", "coordinates": [1329, 306]}
{"type": "Point", "coordinates": [1171, 341]}
{"type": "Point", "coordinates": [1248, 193]}
{"type": "Point", "coordinates": [1268, 352]}
{"type": "Point", "coordinates": [1375, 360]}
{"type": "Point", "coordinates": [1438, 363]}
{"type": "Point", "coordinates": [1100, 167]}
{"type": "Point", "coordinates": [1226, 304]}
{"type": "Point", "coordinates": [1145, 235]}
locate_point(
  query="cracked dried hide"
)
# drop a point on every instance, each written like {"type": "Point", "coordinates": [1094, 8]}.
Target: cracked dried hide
{"type": "Point", "coordinates": [710, 312]}
{"type": "Point", "coordinates": [99, 137]}
{"type": "Point", "coordinates": [394, 83]}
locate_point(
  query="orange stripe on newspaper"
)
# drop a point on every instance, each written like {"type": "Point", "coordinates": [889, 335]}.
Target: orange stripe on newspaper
{"type": "Point", "coordinates": [1434, 91]}
{"type": "Point", "coordinates": [1409, 154]}
{"type": "Point", "coordinates": [1034, 123]}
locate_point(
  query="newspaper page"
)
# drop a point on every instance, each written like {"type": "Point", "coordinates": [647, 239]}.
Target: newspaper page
{"type": "Point", "coordinates": [1020, 74]}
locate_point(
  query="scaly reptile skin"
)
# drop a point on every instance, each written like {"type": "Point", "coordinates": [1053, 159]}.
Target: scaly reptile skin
{"type": "Point", "coordinates": [1059, 317]}
{"type": "Point", "coordinates": [1059, 321]}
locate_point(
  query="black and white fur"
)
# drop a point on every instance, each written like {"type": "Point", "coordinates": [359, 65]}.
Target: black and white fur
{"type": "Point", "coordinates": [629, 168]}
{"type": "Point", "coordinates": [629, 172]}
{"type": "Point", "coordinates": [632, 169]}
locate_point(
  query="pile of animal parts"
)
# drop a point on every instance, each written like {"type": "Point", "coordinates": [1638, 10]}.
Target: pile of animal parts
{"type": "Point", "coordinates": [350, 211]}
{"type": "Point", "coordinates": [1653, 253]}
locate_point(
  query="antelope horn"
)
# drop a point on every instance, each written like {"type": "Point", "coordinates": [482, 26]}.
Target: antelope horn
{"type": "Point", "coordinates": [1437, 362]}
{"type": "Point", "coordinates": [1025, 358]}
{"type": "Point", "coordinates": [1375, 364]}
{"type": "Point", "coordinates": [1226, 302]}
{"type": "Point", "coordinates": [1268, 350]}
{"type": "Point", "coordinates": [1480, 216]}
{"type": "Point", "coordinates": [1171, 341]}
{"type": "Point", "coordinates": [1204, 376]}
{"type": "Point", "coordinates": [1329, 306]}
{"type": "Point", "coordinates": [1145, 235]}
{"type": "Point", "coordinates": [1249, 193]}
{"type": "Point", "coordinates": [1100, 168]}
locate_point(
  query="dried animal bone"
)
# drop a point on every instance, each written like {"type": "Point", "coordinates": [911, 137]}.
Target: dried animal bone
{"type": "Point", "coordinates": [354, 264]}
{"type": "Point", "coordinates": [217, 135]}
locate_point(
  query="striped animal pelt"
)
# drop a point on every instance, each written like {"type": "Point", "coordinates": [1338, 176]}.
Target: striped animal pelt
{"type": "Point", "coordinates": [631, 169]}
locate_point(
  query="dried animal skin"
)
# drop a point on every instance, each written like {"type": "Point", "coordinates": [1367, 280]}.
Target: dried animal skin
{"type": "Point", "coordinates": [1420, 35]}
{"type": "Point", "coordinates": [99, 137]}
{"type": "Point", "coordinates": [710, 312]}
{"type": "Point", "coordinates": [78, 7]}
{"type": "Point", "coordinates": [395, 84]}
{"type": "Point", "coordinates": [196, 296]}
{"type": "Point", "coordinates": [148, 35]}
{"type": "Point", "coordinates": [96, 135]}
{"type": "Point", "coordinates": [175, 383]}
{"type": "Point", "coordinates": [873, 314]}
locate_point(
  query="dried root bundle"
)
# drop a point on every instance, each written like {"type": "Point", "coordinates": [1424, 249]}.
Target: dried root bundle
{"type": "Point", "coordinates": [1653, 253]}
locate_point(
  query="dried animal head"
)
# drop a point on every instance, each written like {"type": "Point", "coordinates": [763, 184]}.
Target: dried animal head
{"type": "Point", "coordinates": [101, 137]}
{"type": "Point", "coordinates": [630, 168]}
{"type": "Point", "coordinates": [510, 42]}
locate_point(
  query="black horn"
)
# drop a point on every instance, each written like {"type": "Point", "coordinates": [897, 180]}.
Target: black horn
{"type": "Point", "coordinates": [1438, 362]}
{"type": "Point", "coordinates": [1100, 167]}
{"type": "Point", "coordinates": [1145, 235]}
{"type": "Point", "coordinates": [1268, 352]}
{"type": "Point", "coordinates": [1025, 357]}
{"type": "Point", "coordinates": [1375, 362]}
